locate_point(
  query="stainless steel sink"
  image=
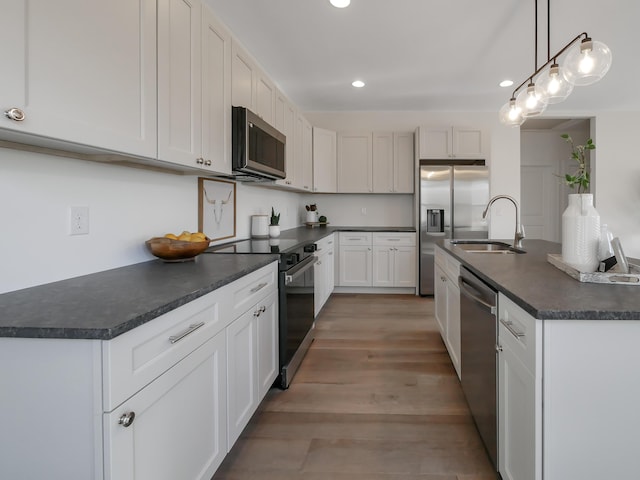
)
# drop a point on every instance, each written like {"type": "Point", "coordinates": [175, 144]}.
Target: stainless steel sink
{"type": "Point", "coordinates": [486, 246]}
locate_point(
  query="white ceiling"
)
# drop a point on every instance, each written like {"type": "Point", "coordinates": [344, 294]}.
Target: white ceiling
{"type": "Point", "coordinates": [431, 55]}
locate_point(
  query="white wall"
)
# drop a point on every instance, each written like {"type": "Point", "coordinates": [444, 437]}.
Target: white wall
{"type": "Point", "coordinates": [380, 210]}
{"type": "Point", "coordinates": [617, 176]}
{"type": "Point", "coordinates": [126, 207]}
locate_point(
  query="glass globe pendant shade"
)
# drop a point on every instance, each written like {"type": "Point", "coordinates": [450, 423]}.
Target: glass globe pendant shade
{"type": "Point", "coordinates": [587, 64]}
{"type": "Point", "coordinates": [510, 114]}
{"type": "Point", "coordinates": [531, 101]}
{"type": "Point", "coordinates": [553, 85]}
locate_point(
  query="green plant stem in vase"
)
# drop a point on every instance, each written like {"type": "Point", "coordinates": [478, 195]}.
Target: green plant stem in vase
{"type": "Point", "coordinates": [580, 178]}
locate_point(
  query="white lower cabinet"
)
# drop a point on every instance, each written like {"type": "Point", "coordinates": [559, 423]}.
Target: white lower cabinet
{"type": "Point", "coordinates": [447, 308]}
{"type": "Point", "coordinates": [175, 427]}
{"type": "Point", "coordinates": [324, 273]}
{"type": "Point", "coordinates": [252, 342]}
{"type": "Point", "coordinates": [163, 401]}
{"type": "Point", "coordinates": [355, 259]}
{"type": "Point", "coordinates": [379, 259]}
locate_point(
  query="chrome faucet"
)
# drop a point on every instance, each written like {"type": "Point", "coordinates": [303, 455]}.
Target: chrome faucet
{"type": "Point", "coordinates": [519, 234]}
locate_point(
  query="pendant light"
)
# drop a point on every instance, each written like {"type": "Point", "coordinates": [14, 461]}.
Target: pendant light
{"type": "Point", "coordinates": [554, 85]}
{"type": "Point", "coordinates": [532, 101]}
{"type": "Point", "coordinates": [588, 64]}
{"type": "Point", "coordinates": [553, 82]}
{"type": "Point", "coordinates": [511, 114]}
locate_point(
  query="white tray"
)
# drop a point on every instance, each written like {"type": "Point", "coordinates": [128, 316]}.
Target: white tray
{"type": "Point", "coordinates": [631, 278]}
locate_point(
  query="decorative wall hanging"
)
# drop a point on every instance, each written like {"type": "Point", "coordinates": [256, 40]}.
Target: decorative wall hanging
{"type": "Point", "coordinates": [217, 208]}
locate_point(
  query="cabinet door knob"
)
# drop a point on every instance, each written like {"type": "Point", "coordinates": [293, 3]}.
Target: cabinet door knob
{"type": "Point", "coordinates": [200, 161]}
{"type": "Point", "coordinates": [498, 348]}
{"type": "Point", "coordinates": [259, 311]}
{"type": "Point", "coordinates": [207, 163]}
{"type": "Point", "coordinates": [15, 114]}
{"type": "Point", "coordinates": [127, 419]}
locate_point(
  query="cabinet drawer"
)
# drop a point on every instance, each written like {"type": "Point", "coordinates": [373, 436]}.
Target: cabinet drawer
{"type": "Point", "coordinates": [395, 239]}
{"type": "Point", "coordinates": [325, 245]}
{"type": "Point", "coordinates": [519, 331]}
{"type": "Point", "coordinates": [134, 359]}
{"type": "Point", "coordinates": [450, 265]}
{"type": "Point", "coordinates": [250, 289]}
{"type": "Point", "coordinates": [355, 238]}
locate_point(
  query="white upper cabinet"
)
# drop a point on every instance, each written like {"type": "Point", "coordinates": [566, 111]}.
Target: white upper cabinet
{"type": "Point", "coordinates": [179, 82]}
{"type": "Point", "coordinates": [251, 87]}
{"type": "Point", "coordinates": [403, 163]}
{"type": "Point", "coordinates": [324, 161]}
{"type": "Point", "coordinates": [453, 142]}
{"type": "Point", "coordinates": [216, 93]}
{"type": "Point", "coordinates": [355, 162]}
{"type": "Point", "coordinates": [307, 155]}
{"type": "Point", "coordinates": [80, 71]}
{"type": "Point", "coordinates": [285, 119]}
{"type": "Point", "coordinates": [194, 90]}
{"type": "Point", "coordinates": [265, 98]}
{"type": "Point", "coordinates": [375, 162]}
{"type": "Point", "coordinates": [383, 162]}
{"type": "Point", "coordinates": [243, 78]}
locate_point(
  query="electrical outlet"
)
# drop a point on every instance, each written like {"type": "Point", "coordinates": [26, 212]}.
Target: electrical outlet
{"type": "Point", "coordinates": [363, 210]}
{"type": "Point", "coordinates": [78, 220]}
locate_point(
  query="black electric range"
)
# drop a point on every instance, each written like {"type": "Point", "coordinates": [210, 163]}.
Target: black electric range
{"type": "Point", "coordinates": [296, 313]}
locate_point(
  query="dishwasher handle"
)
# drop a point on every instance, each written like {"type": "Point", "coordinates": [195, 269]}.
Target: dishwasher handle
{"type": "Point", "coordinates": [471, 290]}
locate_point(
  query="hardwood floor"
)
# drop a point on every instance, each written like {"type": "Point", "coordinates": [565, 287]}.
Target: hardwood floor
{"type": "Point", "coordinates": [376, 398]}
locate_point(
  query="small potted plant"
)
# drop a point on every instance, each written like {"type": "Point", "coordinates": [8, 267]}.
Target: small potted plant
{"type": "Point", "coordinates": [274, 225]}
{"type": "Point", "coordinates": [580, 221]}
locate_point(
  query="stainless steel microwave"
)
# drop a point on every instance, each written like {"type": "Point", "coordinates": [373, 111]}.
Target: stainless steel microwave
{"type": "Point", "coordinates": [257, 149]}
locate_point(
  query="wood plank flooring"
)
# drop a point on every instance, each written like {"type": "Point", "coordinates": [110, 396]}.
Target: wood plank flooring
{"type": "Point", "coordinates": [376, 398]}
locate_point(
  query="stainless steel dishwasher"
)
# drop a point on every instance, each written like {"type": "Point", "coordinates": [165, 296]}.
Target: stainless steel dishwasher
{"type": "Point", "coordinates": [479, 366]}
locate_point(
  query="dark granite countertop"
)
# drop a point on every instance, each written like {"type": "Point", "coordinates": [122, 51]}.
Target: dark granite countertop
{"type": "Point", "coordinates": [106, 304]}
{"type": "Point", "coordinates": [544, 291]}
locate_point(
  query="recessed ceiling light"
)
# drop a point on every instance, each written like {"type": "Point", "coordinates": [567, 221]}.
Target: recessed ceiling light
{"type": "Point", "coordinates": [358, 83]}
{"type": "Point", "coordinates": [340, 3]}
{"type": "Point", "coordinates": [506, 83]}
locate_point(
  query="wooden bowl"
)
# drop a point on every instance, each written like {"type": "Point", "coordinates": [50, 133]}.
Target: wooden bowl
{"type": "Point", "coordinates": [175, 250]}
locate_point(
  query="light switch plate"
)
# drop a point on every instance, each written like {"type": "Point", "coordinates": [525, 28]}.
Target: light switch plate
{"type": "Point", "coordinates": [78, 220]}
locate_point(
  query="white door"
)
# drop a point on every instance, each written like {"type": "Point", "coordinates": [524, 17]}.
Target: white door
{"type": "Point", "coordinates": [83, 71]}
{"type": "Point", "coordinates": [216, 94]}
{"type": "Point", "coordinates": [403, 163]}
{"type": "Point", "coordinates": [516, 418]}
{"type": "Point", "coordinates": [285, 117]}
{"type": "Point", "coordinates": [440, 298]}
{"type": "Point", "coordinates": [242, 365]}
{"type": "Point", "coordinates": [180, 82]}
{"type": "Point", "coordinates": [355, 155]}
{"type": "Point", "coordinates": [267, 332]}
{"type": "Point", "coordinates": [404, 268]}
{"type": "Point", "coordinates": [355, 266]}
{"type": "Point", "coordinates": [324, 161]}
{"type": "Point", "coordinates": [179, 428]}
{"type": "Point", "coordinates": [383, 165]}
{"type": "Point", "coordinates": [383, 266]}
{"type": "Point", "coordinates": [243, 78]}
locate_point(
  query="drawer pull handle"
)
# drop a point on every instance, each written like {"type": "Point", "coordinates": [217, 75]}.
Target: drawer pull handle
{"type": "Point", "coordinates": [187, 331]}
{"type": "Point", "coordinates": [509, 326]}
{"type": "Point", "coordinates": [127, 419]}
{"type": "Point", "coordinates": [258, 287]}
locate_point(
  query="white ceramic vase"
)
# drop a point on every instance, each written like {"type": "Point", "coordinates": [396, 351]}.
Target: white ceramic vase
{"type": "Point", "coordinates": [274, 231]}
{"type": "Point", "coordinates": [581, 233]}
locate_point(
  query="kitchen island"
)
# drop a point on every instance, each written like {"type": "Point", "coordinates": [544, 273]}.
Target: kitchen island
{"type": "Point", "coordinates": [568, 359]}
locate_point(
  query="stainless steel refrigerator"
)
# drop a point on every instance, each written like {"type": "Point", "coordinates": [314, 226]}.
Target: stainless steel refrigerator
{"type": "Point", "coordinates": [453, 195]}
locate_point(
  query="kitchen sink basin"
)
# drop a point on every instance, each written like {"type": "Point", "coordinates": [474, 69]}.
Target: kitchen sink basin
{"type": "Point", "coordinates": [486, 246]}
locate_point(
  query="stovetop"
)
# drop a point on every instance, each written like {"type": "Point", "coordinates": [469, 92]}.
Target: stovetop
{"type": "Point", "coordinates": [253, 245]}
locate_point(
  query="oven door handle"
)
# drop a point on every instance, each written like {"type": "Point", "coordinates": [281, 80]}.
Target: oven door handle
{"type": "Point", "coordinates": [299, 269]}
